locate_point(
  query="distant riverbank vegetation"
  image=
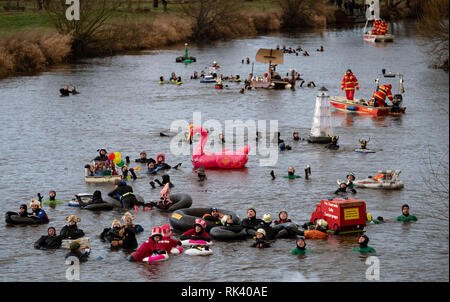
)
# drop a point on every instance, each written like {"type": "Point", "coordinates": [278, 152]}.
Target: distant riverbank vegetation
{"type": "Point", "coordinates": [35, 34]}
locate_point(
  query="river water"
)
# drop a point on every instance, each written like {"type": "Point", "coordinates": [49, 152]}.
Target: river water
{"type": "Point", "coordinates": [46, 140]}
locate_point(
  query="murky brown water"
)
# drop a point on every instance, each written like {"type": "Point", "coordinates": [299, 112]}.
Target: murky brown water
{"type": "Point", "coordinates": [46, 140]}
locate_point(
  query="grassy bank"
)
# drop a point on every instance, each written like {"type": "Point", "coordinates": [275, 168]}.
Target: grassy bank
{"type": "Point", "coordinates": [29, 43]}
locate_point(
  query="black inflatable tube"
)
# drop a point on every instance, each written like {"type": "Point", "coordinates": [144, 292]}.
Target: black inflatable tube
{"type": "Point", "coordinates": [184, 219]}
{"type": "Point", "coordinates": [14, 218]}
{"type": "Point", "coordinates": [106, 206]}
{"type": "Point", "coordinates": [180, 201]}
{"type": "Point", "coordinates": [287, 230]}
{"type": "Point", "coordinates": [117, 204]}
{"type": "Point", "coordinates": [221, 233]}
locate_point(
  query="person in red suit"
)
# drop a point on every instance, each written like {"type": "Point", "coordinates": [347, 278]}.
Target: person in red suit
{"type": "Point", "coordinates": [148, 247]}
{"type": "Point", "coordinates": [380, 95]}
{"type": "Point", "coordinates": [349, 82]}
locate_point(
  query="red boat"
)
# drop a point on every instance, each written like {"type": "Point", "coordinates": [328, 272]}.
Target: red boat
{"type": "Point", "coordinates": [360, 106]}
{"type": "Point", "coordinates": [366, 107]}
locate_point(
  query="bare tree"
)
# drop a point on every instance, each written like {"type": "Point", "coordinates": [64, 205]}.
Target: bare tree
{"type": "Point", "coordinates": [433, 28]}
{"type": "Point", "coordinates": [93, 15]}
{"type": "Point", "coordinates": [435, 177]}
{"type": "Point", "coordinates": [210, 16]}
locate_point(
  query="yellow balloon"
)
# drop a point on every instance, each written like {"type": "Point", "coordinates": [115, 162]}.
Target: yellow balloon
{"type": "Point", "coordinates": [117, 157]}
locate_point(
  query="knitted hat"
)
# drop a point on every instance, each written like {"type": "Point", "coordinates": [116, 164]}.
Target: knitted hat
{"type": "Point", "coordinates": [73, 218]}
{"type": "Point", "coordinates": [115, 221]}
{"type": "Point", "coordinates": [74, 245]}
{"type": "Point", "coordinates": [128, 214]}
{"type": "Point", "coordinates": [251, 208]}
{"type": "Point", "coordinates": [166, 230]}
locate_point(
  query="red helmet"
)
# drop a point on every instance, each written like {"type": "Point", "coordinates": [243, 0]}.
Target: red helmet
{"type": "Point", "coordinates": [156, 231]}
{"type": "Point", "coordinates": [200, 222]}
{"type": "Point", "coordinates": [166, 230]}
{"type": "Point", "coordinates": [389, 86]}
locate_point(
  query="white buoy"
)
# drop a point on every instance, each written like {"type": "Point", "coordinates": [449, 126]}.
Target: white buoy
{"type": "Point", "coordinates": [322, 128]}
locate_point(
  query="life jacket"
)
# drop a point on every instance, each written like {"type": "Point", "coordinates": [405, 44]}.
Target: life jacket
{"type": "Point", "coordinates": [315, 234]}
{"type": "Point", "coordinates": [382, 92]}
{"type": "Point", "coordinates": [349, 82]}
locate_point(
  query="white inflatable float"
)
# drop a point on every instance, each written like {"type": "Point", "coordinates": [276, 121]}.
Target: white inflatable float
{"type": "Point", "coordinates": [156, 258]}
{"type": "Point", "coordinates": [190, 242]}
{"type": "Point", "coordinates": [85, 243]}
{"type": "Point", "coordinates": [387, 180]}
{"type": "Point", "coordinates": [199, 251]}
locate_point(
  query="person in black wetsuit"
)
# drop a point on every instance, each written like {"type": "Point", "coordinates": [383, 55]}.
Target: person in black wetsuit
{"type": "Point", "coordinates": [71, 231]}
{"type": "Point", "coordinates": [296, 136]}
{"type": "Point", "coordinates": [285, 227]}
{"type": "Point", "coordinates": [260, 239]}
{"type": "Point", "coordinates": [65, 91]}
{"type": "Point", "coordinates": [165, 180]}
{"type": "Point", "coordinates": [143, 158]}
{"type": "Point", "coordinates": [343, 188]}
{"type": "Point", "coordinates": [213, 216]}
{"type": "Point", "coordinates": [102, 155]}
{"type": "Point", "coordinates": [251, 223]}
{"type": "Point", "coordinates": [119, 236]}
{"type": "Point", "coordinates": [333, 145]}
{"type": "Point", "coordinates": [127, 219]}
{"type": "Point", "coordinates": [96, 198]}
{"type": "Point", "coordinates": [73, 90]}
{"type": "Point", "coordinates": [49, 241]}
{"type": "Point", "coordinates": [228, 224]}
{"type": "Point", "coordinates": [76, 252]}
{"type": "Point", "coordinates": [270, 231]}
{"type": "Point", "coordinates": [23, 212]}
{"type": "Point", "coordinates": [124, 193]}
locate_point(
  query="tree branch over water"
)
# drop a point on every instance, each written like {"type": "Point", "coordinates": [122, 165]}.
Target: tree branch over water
{"type": "Point", "coordinates": [93, 15]}
{"type": "Point", "coordinates": [433, 28]}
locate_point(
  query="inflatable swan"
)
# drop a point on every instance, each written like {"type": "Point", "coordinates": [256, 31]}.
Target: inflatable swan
{"type": "Point", "coordinates": [224, 159]}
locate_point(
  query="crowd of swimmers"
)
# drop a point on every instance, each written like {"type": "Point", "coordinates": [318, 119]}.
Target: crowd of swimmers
{"type": "Point", "coordinates": [262, 230]}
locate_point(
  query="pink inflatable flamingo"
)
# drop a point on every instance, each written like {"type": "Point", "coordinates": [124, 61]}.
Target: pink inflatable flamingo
{"type": "Point", "coordinates": [224, 159]}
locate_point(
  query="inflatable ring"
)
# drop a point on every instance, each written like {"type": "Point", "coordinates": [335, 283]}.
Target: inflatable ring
{"type": "Point", "coordinates": [74, 203]}
{"type": "Point", "coordinates": [15, 218]}
{"type": "Point", "coordinates": [184, 219]}
{"type": "Point", "coordinates": [284, 230]}
{"type": "Point", "coordinates": [86, 197]}
{"type": "Point", "coordinates": [198, 251]}
{"type": "Point", "coordinates": [176, 250]}
{"type": "Point", "coordinates": [156, 258]}
{"type": "Point", "coordinates": [180, 201]}
{"type": "Point", "coordinates": [191, 242]}
{"type": "Point", "coordinates": [116, 203]}
{"type": "Point", "coordinates": [221, 233]}
{"type": "Point", "coordinates": [364, 151]}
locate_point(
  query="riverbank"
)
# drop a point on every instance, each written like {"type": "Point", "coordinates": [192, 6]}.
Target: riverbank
{"type": "Point", "coordinates": [29, 44]}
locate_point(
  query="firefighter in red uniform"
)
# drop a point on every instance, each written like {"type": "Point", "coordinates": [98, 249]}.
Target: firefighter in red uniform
{"type": "Point", "coordinates": [148, 247]}
{"type": "Point", "coordinates": [380, 95]}
{"type": "Point", "coordinates": [349, 82]}
{"type": "Point", "coordinates": [383, 28]}
{"type": "Point", "coordinates": [376, 27]}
